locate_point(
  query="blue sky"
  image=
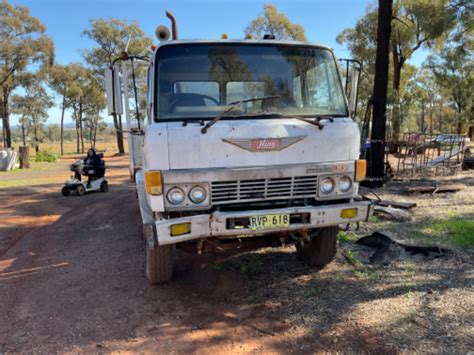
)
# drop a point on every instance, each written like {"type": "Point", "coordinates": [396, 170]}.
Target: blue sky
{"type": "Point", "coordinates": [323, 20]}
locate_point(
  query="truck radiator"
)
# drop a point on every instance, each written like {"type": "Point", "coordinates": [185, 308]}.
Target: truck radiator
{"type": "Point", "coordinates": [264, 189]}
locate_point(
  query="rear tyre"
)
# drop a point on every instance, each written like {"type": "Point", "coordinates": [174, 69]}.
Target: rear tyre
{"type": "Point", "coordinates": [104, 187]}
{"type": "Point", "coordinates": [65, 191]}
{"type": "Point", "coordinates": [322, 248]}
{"type": "Point", "coordinates": [159, 263]}
{"type": "Point", "coordinates": [80, 190]}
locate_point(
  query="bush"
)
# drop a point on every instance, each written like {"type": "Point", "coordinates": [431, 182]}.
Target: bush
{"type": "Point", "coordinates": [46, 156]}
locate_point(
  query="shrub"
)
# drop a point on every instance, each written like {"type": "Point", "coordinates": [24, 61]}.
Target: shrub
{"type": "Point", "coordinates": [46, 156]}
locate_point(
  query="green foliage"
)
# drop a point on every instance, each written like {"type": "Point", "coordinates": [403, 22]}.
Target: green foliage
{"type": "Point", "coordinates": [32, 108]}
{"type": "Point", "coordinates": [455, 231]}
{"type": "Point", "coordinates": [345, 237]}
{"type": "Point", "coordinates": [453, 70]}
{"type": "Point", "coordinates": [275, 23]}
{"type": "Point", "coordinates": [24, 47]}
{"type": "Point", "coordinates": [46, 156]}
{"type": "Point", "coordinates": [111, 37]}
{"type": "Point", "coordinates": [416, 24]}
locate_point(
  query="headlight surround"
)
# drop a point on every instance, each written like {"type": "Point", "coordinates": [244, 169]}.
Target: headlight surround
{"type": "Point", "coordinates": [344, 184]}
{"type": "Point", "coordinates": [175, 196]}
{"type": "Point", "coordinates": [327, 185]}
{"type": "Point", "coordinates": [197, 194]}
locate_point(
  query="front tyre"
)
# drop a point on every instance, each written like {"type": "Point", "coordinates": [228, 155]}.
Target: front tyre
{"type": "Point", "coordinates": [159, 263]}
{"type": "Point", "coordinates": [80, 190]}
{"type": "Point", "coordinates": [322, 247]}
{"type": "Point", "coordinates": [65, 191]}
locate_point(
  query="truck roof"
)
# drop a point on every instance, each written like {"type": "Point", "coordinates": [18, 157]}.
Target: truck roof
{"type": "Point", "coordinates": [243, 41]}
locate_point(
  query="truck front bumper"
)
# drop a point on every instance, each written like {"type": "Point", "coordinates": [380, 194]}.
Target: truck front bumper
{"type": "Point", "coordinates": [216, 224]}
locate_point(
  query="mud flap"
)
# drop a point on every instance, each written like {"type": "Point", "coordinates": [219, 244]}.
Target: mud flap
{"type": "Point", "coordinates": [149, 236]}
{"type": "Point", "coordinates": [145, 210]}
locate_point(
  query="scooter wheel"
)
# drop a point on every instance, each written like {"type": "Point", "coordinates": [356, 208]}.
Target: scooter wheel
{"type": "Point", "coordinates": [65, 191]}
{"type": "Point", "coordinates": [80, 190]}
{"type": "Point", "coordinates": [104, 187]}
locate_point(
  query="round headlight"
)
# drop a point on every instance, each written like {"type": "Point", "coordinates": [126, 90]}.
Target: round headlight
{"type": "Point", "coordinates": [344, 184]}
{"type": "Point", "coordinates": [175, 196]}
{"type": "Point", "coordinates": [327, 185]}
{"type": "Point", "coordinates": [197, 194]}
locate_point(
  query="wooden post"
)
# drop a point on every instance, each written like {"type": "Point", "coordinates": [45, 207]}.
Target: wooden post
{"type": "Point", "coordinates": [377, 164]}
{"type": "Point", "coordinates": [24, 157]}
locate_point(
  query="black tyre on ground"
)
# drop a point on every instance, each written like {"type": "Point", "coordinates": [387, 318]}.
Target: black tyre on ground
{"type": "Point", "coordinates": [104, 187]}
{"type": "Point", "coordinates": [159, 263]}
{"type": "Point", "coordinates": [322, 247]}
{"type": "Point", "coordinates": [65, 191]}
{"type": "Point", "coordinates": [80, 189]}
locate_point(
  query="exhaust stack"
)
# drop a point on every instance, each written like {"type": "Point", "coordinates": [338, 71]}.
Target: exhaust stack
{"type": "Point", "coordinates": [174, 27]}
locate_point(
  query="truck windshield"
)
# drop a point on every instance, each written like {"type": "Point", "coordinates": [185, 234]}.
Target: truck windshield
{"type": "Point", "coordinates": [199, 80]}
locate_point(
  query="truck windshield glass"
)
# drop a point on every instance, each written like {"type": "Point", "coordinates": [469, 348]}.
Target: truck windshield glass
{"type": "Point", "coordinates": [200, 80]}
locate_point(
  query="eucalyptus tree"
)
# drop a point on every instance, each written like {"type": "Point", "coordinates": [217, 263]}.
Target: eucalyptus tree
{"type": "Point", "coordinates": [61, 80]}
{"type": "Point", "coordinates": [23, 45]}
{"type": "Point", "coordinates": [275, 23]}
{"type": "Point", "coordinates": [111, 37]}
{"type": "Point", "coordinates": [32, 108]}
{"type": "Point", "coordinates": [415, 24]}
{"type": "Point", "coordinates": [453, 70]}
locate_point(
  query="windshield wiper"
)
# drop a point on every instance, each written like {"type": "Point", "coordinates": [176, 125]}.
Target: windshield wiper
{"type": "Point", "coordinates": [233, 105]}
{"type": "Point", "coordinates": [315, 122]}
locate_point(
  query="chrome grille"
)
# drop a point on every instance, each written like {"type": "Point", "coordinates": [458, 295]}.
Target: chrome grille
{"type": "Point", "coordinates": [263, 189]}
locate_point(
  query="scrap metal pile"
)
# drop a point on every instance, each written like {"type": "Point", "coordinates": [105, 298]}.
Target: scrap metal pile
{"type": "Point", "coordinates": [419, 154]}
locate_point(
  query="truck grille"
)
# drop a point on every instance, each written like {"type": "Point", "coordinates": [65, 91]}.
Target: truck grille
{"type": "Point", "coordinates": [263, 189]}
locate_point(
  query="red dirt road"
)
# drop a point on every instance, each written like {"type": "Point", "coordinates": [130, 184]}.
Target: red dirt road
{"type": "Point", "coordinates": [72, 280]}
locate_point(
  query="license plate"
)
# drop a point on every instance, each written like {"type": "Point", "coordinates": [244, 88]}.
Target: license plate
{"type": "Point", "coordinates": [269, 221]}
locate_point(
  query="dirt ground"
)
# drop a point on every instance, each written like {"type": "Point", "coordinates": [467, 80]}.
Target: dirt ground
{"type": "Point", "coordinates": [72, 280]}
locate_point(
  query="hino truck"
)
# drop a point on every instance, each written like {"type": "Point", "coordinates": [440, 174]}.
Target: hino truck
{"type": "Point", "coordinates": [239, 144]}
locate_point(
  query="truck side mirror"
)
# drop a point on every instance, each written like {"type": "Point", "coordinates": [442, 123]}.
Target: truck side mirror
{"type": "Point", "coordinates": [113, 92]}
{"type": "Point", "coordinates": [353, 69]}
{"type": "Point", "coordinates": [354, 93]}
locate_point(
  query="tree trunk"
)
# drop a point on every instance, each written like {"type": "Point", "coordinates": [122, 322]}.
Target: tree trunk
{"type": "Point", "coordinates": [422, 123]}
{"type": "Point", "coordinates": [459, 128]}
{"type": "Point", "coordinates": [24, 153]}
{"type": "Point", "coordinates": [6, 120]}
{"type": "Point", "coordinates": [80, 128]}
{"type": "Point", "coordinates": [377, 152]}
{"type": "Point", "coordinates": [23, 134]}
{"type": "Point", "coordinates": [36, 139]}
{"type": "Point", "coordinates": [396, 117]}
{"type": "Point", "coordinates": [77, 134]}
{"type": "Point", "coordinates": [119, 133]}
{"type": "Point", "coordinates": [95, 133]}
{"type": "Point", "coordinates": [63, 108]}
{"type": "Point", "coordinates": [431, 119]}
{"type": "Point", "coordinates": [91, 129]}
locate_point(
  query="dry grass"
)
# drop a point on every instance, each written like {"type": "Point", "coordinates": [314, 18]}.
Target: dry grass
{"type": "Point", "coordinates": [106, 144]}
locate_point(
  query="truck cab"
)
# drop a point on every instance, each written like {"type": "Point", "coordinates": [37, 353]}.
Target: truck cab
{"type": "Point", "coordinates": [249, 143]}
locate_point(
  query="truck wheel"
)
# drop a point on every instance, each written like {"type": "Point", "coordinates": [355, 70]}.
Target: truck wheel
{"type": "Point", "coordinates": [80, 190]}
{"type": "Point", "coordinates": [65, 191]}
{"type": "Point", "coordinates": [159, 263]}
{"type": "Point", "coordinates": [322, 248]}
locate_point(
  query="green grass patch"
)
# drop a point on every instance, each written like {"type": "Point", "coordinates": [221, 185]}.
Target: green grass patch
{"type": "Point", "coordinates": [373, 219]}
{"type": "Point", "coordinates": [345, 237]}
{"type": "Point", "coordinates": [455, 231]}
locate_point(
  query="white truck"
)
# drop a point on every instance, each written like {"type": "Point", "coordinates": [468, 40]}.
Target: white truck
{"type": "Point", "coordinates": [246, 143]}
